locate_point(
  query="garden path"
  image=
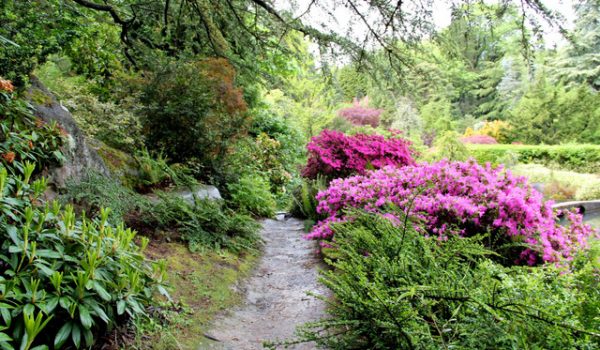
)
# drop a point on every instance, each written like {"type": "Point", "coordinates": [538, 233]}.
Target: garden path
{"type": "Point", "coordinates": [275, 296]}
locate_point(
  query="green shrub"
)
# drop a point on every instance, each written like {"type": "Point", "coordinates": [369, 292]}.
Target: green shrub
{"type": "Point", "coordinates": [192, 110]}
{"type": "Point", "coordinates": [95, 191]}
{"type": "Point", "coordinates": [252, 195]}
{"type": "Point", "coordinates": [64, 282]}
{"type": "Point", "coordinates": [77, 279]}
{"type": "Point", "coordinates": [113, 123]}
{"type": "Point", "coordinates": [152, 171]}
{"type": "Point", "coordinates": [576, 157]}
{"type": "Point", "coordinates": [290, 140]}
{"type": "Point", "coordinates": [449, 146]}
{"type": "Point", "coordinates": [205, 224]}
{"type": "Point", "coordinates": [396, 289]}
{"type": "Point", "coordinates": [304, 203]}
{"type": "Point", "coordinates": [24, 138]}
{"type": "Point", "coordinates": [264, 156]}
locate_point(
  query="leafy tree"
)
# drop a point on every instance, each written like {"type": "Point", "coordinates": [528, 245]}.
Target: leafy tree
{"type": "Point", "coordinates": [437, 116]}
{"type": "Point", "coordinates": [482, 37]}
{"type": "Point", "coordinates": [405, 117]}
{"type": "Point", "coordinates": [194, 110]}
{"type": "Point", "coordinates": [305, 99]}
{"type": "Point", "coordinates": [31, 30]}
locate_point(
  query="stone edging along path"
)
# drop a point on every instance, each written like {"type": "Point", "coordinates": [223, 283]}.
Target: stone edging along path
{"type": "Point", "coordinates": [275, 299]}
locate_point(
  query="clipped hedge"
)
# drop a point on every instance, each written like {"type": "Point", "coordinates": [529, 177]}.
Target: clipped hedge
{"type": "Point", "coordinates": [575, 157]}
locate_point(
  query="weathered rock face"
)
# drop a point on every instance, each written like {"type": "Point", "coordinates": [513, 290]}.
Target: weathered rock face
{"type": "Point", "coordinates": [201, 192]}
{"type": "Point", "coordinates": [80, 157]}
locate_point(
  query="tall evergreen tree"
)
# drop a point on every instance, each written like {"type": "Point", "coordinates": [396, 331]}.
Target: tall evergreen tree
{"type": "Point", "coordinates": [580, 62]}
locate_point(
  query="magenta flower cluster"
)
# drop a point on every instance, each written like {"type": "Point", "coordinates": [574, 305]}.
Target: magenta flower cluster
{"type": "Point", "coordinates": [459, 198]}
{"type": "Point", "coordinates": [479, 140]}
{"type": "Point", "coordinates": [361, 115]}
{"type": "Point", "coordinates": [334, 154]}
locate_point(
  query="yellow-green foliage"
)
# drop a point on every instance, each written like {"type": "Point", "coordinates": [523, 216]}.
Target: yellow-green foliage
{"type": "Point", "coordinates": [585, 186]}
{"type": "Point", "coordinates": [251, 194]}
{"type": "Point", "coordinates": [498, 129]}
{"type": "Point", "coordinates": [448, 146]}
{"type": "Point", "coordinates": [110, 122]}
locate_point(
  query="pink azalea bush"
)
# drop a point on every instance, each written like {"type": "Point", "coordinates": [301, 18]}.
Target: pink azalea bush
{"type": "Point", "coordinates": [334, 154]}
{"type": "Point", "coordinates": [360, 114]}
{"type": "Point", "coordinates": [479, 140]}
{"type": "Point", "coordinates": [461, 198]}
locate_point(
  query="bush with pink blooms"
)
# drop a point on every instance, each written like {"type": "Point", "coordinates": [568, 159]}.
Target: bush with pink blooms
{"type": "Point", "coordinates": [460, 198]}
{"type": "Point", "coordinates": [361, 114]}
{"type": "Point", "coordinates": [333, 154]}
{"type": "Point", "coordinates": [479, 140]}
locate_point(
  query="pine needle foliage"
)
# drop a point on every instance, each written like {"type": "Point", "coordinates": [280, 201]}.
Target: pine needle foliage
{"type": "Point", "coordinates": [396, 289]}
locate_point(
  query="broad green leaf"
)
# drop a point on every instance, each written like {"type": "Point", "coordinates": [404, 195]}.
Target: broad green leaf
{"type": "Point", "coordinates": [40, 347]}
{"type": "Point", "coordinates": [121, 307]}
{"type": "Point", "coordinates": [51, 304]}
{"type": "Point", "coordinates": [76, 335]}
{"type": "Point", "coordinates": [85, 317]}
{"type": "Point", "coordinates": [101, 291]}
{"type": "Point", "coordinates": [63, 334]}
{"type": "Point", "coordinates": [99, 312]}
{"type": "Point", "coordinates": [12, 233]}
{"type": "Point", "coordinates": [89, 337]}
{"type": "Point", "coordinates": [47, 253]}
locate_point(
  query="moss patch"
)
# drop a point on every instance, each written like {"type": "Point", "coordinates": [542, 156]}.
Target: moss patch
{"type": "Point", "coordinates": [118, 162]}
{"type": "Point", "coordinates": [203, 284]}
{"type": "Point", "coordinates": [39, 97]}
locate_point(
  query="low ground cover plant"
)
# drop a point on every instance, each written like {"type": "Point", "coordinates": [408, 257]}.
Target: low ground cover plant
{"type": "Point", "coordinates": [333, 154]}
{"type": "Point", "coordinates": [462, 199]}
{"type": "Point", "coordinates": [205, 224]}
{"type": "Point", "coordinates": [397, 289]}
{"type": "Point", "coordinates": [95, 191]}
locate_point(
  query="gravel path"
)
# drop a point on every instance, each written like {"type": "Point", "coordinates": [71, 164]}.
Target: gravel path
{"type": "Point", "coordinates": [275, 295]}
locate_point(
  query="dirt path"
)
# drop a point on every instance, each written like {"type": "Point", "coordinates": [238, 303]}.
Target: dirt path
{"type": "Point", "coordinates": [275, 294]}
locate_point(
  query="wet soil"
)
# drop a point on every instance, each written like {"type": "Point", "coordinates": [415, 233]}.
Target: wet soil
{"type": "Point", "coordinates": [275, 296]}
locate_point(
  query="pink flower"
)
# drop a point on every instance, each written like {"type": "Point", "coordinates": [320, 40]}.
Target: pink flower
{"type": "Point", "coordinates": [462, 198]}
{"type": "Point", "coordinates": [334, 154]}
{"type": "Point", "coordinates": [479, 139]}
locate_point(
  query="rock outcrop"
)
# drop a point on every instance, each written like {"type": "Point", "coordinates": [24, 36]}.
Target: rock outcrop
{"type": "Point", "coordinates": [80, 157]}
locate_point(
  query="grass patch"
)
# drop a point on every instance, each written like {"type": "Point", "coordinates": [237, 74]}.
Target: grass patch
{"type": "Point", "coordinates": [561, 184]}
{"type": "Point", "coordinates": [203, 285]}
